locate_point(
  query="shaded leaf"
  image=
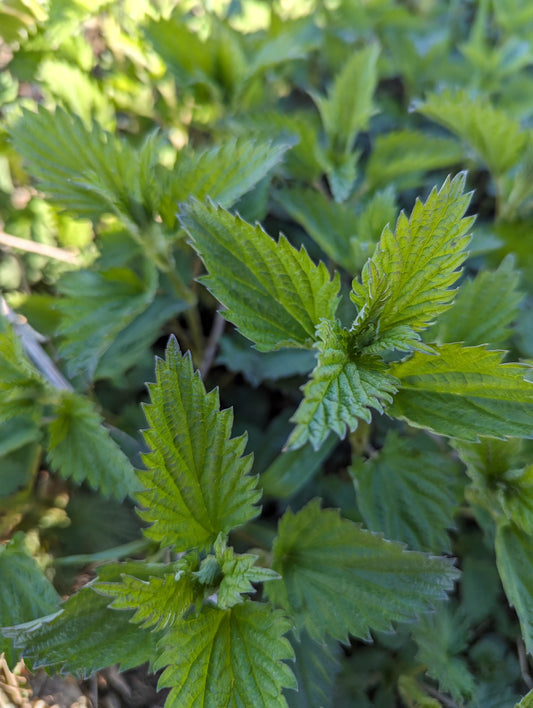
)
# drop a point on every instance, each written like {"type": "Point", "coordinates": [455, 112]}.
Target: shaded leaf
{"type": "Point", "coordinates": [316, 668]}
{"type": "Point", "coordinates": [483, 309]}
{"type": "Point", "coordinates": [513, 558]}
{"type": "Point", "coordinates": [409, 492]}
{"type": "Point", "coordinates": [102, 636]}
{"type": "Point", "coordinates": [81, 448]}
{"type": "Point", "coordinates": [340, 579]}
{"type": "Point", "coordinates": [26, 592]}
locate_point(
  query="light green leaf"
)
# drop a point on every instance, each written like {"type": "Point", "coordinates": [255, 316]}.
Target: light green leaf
{"type": "Point", "coordinates": [81, 448]}
{"type": "Point", "coordinates": [226, 658]}
{"type": "Point", "coordinates": [406, 155]}
{"type": "Point", "coordinates": [163, 595]}
{"type": "Point", "coordinates": [483, 309]}
{"type": "Point", "coordinates": [96, 307]}
{"type": "Point", "coordinates": [342, 389]}
{"type": "Point", "coordinates": [348, 106]}
{"type": "Point", "coordinates": [316, 669]}
{"type": "Point", "coordinates": [406, 283]}
{"type": "Point", "coordinates": [26, 592]}
{"type": "Point", "coordinates": [239, 572]}
{"type": "Point", "coordinates": [513, 558]}
{"type": "Point", "coordinates": [78, 90]}
{"type": "Point", "coordinates": [340, 579]}
{"type": "Point", "coordinates": [273, 293]}
{"type": "Point", "coordinates": [88, 172]}
{"type": "Point", "coordinates": [196, 479]}
{"type": "Point", "coordinates": [495, 138]}
{"type": "Point", "coordinates": [441, 637]}
{"type": "Point", "coordinates": [409, 492]}
{"type": "Point", "coordinates": [102, 636]}
{"type": "Point", "coordinates": [464, 392]}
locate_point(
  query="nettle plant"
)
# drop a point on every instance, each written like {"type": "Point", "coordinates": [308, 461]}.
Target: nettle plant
{"type": "Point", "coordinates": [226, 625]}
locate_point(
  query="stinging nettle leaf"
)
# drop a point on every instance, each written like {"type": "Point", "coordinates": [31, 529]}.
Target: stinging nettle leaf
{"type": "Point", "coordinates": [85, 635]}
{"type": "Point", "coordinates": [495, 137]}
{"type": "Point", "coordinates": [340, 579]}
{"type": "Point", "coordinates": [406, 155]}
{"type": "Point", "coordinates": [163, 594]}
{"type": "Point", "coordinates": [197, 483]}
{"type": "Point", "coordinates": [513, 558]}
{"type": "Point", "coordinates": [81, 448]}
{"type": "Point", "coordinates": [409, 492]}
{"type": "Point", "coordinates": [348, 106]}
{"type": "Point", "coordinates": [407, 281]}
{"type": "Point", "coordinates": [464, 392]}
{"type": "Point", "coordinates": [228, 658]}
{"type": "Point", "coordinates": [96, 307]}
{"type": "Point", "coordinates": [26, 592]}
{"type": "Point", "coordinates": [483, 309]}
{"type": "Point", "coordinates": [274, 294]}
{"type": "Point", "coordinates": [342, 389]}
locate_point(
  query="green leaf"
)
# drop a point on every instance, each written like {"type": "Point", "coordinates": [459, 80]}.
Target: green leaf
{"type": "Point", "coordinates": [406, 283]}
{"type": "Point", "coordinates": [513, 558]}
{"type": "Point", "coordinates": [341, 390]}
{"type": "Point", "coordinates": [239, 573]}
{"type": "Point", "coordinates": [332, 226]}
{"type": "Point", "coordinates": [502, 481]}
{"type": "Point", "coordinates": [406, 155]}
{"type": "Point", "coordinates": [224, 173]}
{"type": "Point", "coordinates": [273, 293]}
{"type": "Point", "coordinates": [316, 669]}
{"type": "Point", "coordinates": [348, 106]}
{"type": "Point", "coordinates": [88, 172]}
{"type": "Point", "coordinates": [97, 305]}
{"type": "Point", "coordinates": [85, 635]}
{"type": "Point", "coordinates": [464, 392]}
{"type": "Point", "coordinates": [26, 592]}
{"type": "Point", "coordinates": [483, 309]}
{"type": "Point", "coordinates": [78, 90]}
{"type": "Point", "coordinates": [238, 355]}
{"type": "Point", "coordinates": [441, 637]}
{"type": "Point", "coordinates": [409, 492]}
{"type": "Point", "coordinates": [226, 658]}
{"type": "Point", "coordinates": [196, 479]}
{"type": "Point", "coordinates": [340, 579]}
{"type": "Point", "coordinates": [133, 344]}
{"type": "Point", "coordinates": [495, 138]}
{"type": "Point", "coordinates": [17, 432]}
{"type": "Point", "coordinates": [163, 595]}
{"type": "Point", "coordinates": [81, 448]}
{"type": "Point", "coordinates": [292, 469]}
{"type": "Point", "coordinates": [21, 385]}
{"type": "Point", "coordinates": [344, 236]}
